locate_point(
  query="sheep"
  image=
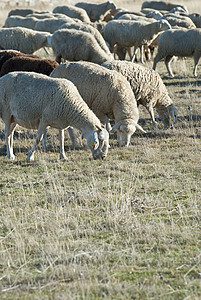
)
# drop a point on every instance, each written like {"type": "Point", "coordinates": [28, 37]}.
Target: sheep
{"type": "Point", "coordinates": [45, 67]}
{"type": "Point", "coordinates": [162, 5]}
{"type": "Point", "coordinates": [73, 12]}
{"type": "Point", "coordinates": [46, 15]}
{"type": "Point", "coordinates": [21, 12]}
{"type": "Point", "coordinates": [148, 88]}
{"type": "Point", "coordinates": [107, 93]}
{"type": "Point", "coordinates": [52, 24]}
{"type": "Point", "coordinates": [23, 39]}
{"type": "Point", "coordinates": [71, 44]}
{"type": "Point", "coordinates": [179, 42]}
{"type": "Point", "coordinates": [123, 12]}
{"type": "Point", "coordinates": [14, 21]}
{"type": "Point", "coordinates": [88, 28]}
{"type": "Point", "coordinates": [178, 20]}
{"type": "Point", "coordinates": [36, 101]}
{"type": "Point", "coordinates": [27, 63]}
{"type": "Point", "coordinates": [96, 11]}
{"type": "Point", "coordinates": [126, 33]}
{"type": "Point", "coordinates": [196, 18]}
{"type": "Point", "coordinates": [7, 54]}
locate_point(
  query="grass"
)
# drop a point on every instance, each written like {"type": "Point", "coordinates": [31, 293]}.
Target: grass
{"type": "Point", "coordinates": [124, 228]}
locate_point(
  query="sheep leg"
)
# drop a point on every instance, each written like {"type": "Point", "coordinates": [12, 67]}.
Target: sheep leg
{"type": "Point", "coordinates": [196, 60]}
{"type": "Point", "coordinates": [129, 52]}
{"type": "Point", "coordinates": [44, 140]}
{"type": "Point", "coordinates": [73, 136]}
{"type": "Point", "coordinates": [151, 112]}
{"type": "Point", "coordinates": [135, 52]}
{"type": "Point", "coordinates": [167, 63]}
{"type": "Point", "coordinates": [40, 133]}
{"type": "Point", "coordinates": [157, 58]}
{"type": "Point", "coordinates": [61, 139]}
{"type": "Point", "coordinates": [9, 131]}
{"type": "Point", "coordinates": [142, 54]}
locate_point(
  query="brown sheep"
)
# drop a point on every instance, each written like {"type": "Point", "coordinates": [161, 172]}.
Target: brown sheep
{"type": "Point", "coordinates": [7, 54]}
{"type": "Point", "coordinates": [32, 64]}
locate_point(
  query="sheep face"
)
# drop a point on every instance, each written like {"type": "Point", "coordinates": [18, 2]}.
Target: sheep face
{"type": "Point", "coordinates": [169, 117]}
{"type": "Point", "coordinates": [164, 25]}
{"type": "Point", "coordinates": [98, 142]}
{"type": "Point", "coordinates": [125, 129]}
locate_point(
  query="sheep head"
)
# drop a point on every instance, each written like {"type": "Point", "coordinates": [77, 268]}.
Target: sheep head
{"type": "Point", "coordinates": [164, 25]}
{"type": "Point", "coordinates": [98, 142]}
{"type": "Point", "coordinates": [125, 129]}
{"type": "Point", "coordinates": [169, 116]}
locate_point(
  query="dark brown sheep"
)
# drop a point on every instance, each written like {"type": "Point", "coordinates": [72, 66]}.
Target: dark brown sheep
{"type": "Point", "coordinates": [7, 54]}
{"type": "Point", "coordinates": [30, 64]}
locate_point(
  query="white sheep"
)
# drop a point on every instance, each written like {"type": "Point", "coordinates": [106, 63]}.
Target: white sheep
{"type": "Point", "coordinates": [179, 42]}
{"type": "Point", "coordinates": [52, 24]}
{"type": "Point", "coordinates": [46, 15]}
{"type": "Point", "coordinates": [96, 11]}
{"type": "Point", "coordinates": [73, 12]}
{"type": "Point", "coordinates": [148, 88]}
{"type": "Point", "coordinates": [36, 101]}
{"type": "Point", "coordinates": [18, 21]}
{"type": "Point", "coordinates": [196, 18]}
{"type": "Point", "coordinates": [127, 33]}
{"type": "Point", "coordinates": [23, 39]}
{"type": "Point", "coordinates": [178, 20]}
{"type": "Point", "coordinates": [21, 12]}
{"type": "Point", "coordinates": [107, 93]}
{"type": "Point", "coordinates": [162, 5]}
{"type": "Point", "coordinates": [88, 28]}
{"type": "Point", "coordinates": [71, 44]}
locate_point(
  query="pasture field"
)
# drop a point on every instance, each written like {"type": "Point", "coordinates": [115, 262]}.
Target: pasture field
{"type": "Point", "coordinates": [127, 227]}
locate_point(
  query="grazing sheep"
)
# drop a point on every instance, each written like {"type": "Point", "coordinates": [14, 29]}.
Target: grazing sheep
{"type": "Point", "coordinates": [88, 28]}
{"type": "Point", "coordinates": [96, 11]}
{"type": "Point", "coordinates": [18, 21]}
{"type": "Point", "coordinates": [46, 15]}
{"type": "Point", "coordinates": [71, 44]}
{"type": "Point", "coordinates": [72, 12]}
{"type": "Point", "coordinates": [23, 39]}
{"type": "Point", "coordinates": [107, 93]}
{"type": "Point", "coordinates": [7, 54]}
{"type": "Point", "coordinates": [21, 12]}
{"type": "Point", "coordinates": [27, 63]}
{"type": "Point", "coordinates": [179, 42]}
{"type": "Point", "coordinates": [178, 20]}
{"type": "Point", "coordinates": [52, 24]}
{"type": "Point", "coordinates": [196, 18]}
{"type": "Point", "coordinates": [36, 101]}
{"type": "Point", "coordinates": [162, 5]}
{"type": "Point", "coordinates": [126, 33]}
{"type": "Point", "coordinates": [148, 88]}
{"type": "Point", "coordinates": [123, 12]}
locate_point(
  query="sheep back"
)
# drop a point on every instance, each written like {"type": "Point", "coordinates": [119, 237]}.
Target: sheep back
{"type": "Point", "coordinates": [146, 83]}
{"type": "Point", "coordinates": [23, 39]}
{"type": "Point", "coordinates": [23, 63]}
{"type": "Point", "coordinates": [105, 92]}
{"type": "Point", "coordinates": [73, 12]}
{"type": "Point", "coordinates": [96, 11]}
{"type": "Point", "coordinates": [77, 45]}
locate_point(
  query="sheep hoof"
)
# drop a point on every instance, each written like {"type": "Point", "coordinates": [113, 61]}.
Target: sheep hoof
{"type": "Point", "coordinates": [63, 157]}
{"type": "Point", "coordinates": [11, 157]}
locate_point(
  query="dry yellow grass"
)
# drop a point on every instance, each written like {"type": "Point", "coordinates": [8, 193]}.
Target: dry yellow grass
{"type": "Point", "coordinates": [124, 228]}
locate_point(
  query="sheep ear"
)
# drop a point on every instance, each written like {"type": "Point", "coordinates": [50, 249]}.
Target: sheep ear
{"type": "Point", "coordinates": [140, 128]}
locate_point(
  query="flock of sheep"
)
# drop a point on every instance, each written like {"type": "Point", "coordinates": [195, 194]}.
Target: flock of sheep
{"type": "Point", "coordinates": [91, 82]}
